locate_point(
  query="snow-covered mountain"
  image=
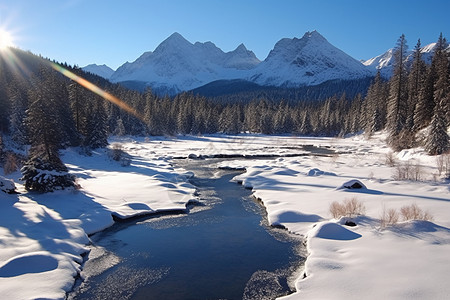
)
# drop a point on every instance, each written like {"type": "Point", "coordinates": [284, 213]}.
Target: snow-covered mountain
{"type": "Point", "coordinates": [384, 61]}
{"type": "Point", "coordinates": [102, 71]}
{"type": "Point", "coordinates": [178, 65]}
{"type": "Point", "coordinates": [309, 60]}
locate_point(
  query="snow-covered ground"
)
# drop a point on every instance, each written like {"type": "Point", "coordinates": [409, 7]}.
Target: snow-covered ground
{"type": "Point", "coordinates": [43, 235]}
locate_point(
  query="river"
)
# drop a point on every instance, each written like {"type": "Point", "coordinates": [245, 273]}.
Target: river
{"type": "Point", "coordinates": [222, 248]}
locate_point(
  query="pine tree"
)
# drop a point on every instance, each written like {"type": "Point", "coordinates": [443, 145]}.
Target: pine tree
{"type": "Point", "coordinates": [438, 140]}
{"type": "Point", "coordinates": [42, 120]}
{"type": "Point", "coordinates": [442, 84]}
{"type": "Point", "coordinates": [415, 83]}
{"type": "Point", "coordinates": [96, 127]}
{"type": "Point", "coordinates": [398, 96]}
{"type": "Point", "coordinates": [19, 103]}
{"type": "Point", "coordinates": [375, 106]}
{"type": "Point", "coordinates": [44, 170]}
{"type": "Point", "coordinates": [425, 102]}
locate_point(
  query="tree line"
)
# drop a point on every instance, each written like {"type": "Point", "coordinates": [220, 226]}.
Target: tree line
{"type": "Point", "coordinates": [44, 109]}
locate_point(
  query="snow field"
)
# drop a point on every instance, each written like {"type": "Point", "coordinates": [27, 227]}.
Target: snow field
{"type": "Point", "coordinates": [42, 236]}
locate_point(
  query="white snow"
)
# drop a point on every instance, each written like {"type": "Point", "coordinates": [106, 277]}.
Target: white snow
{"type": "Point", "coordinates": [43, 235]}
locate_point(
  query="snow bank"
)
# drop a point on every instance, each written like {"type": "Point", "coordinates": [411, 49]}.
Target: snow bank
{"type": "Point", "coordinates": [42, 236]}
{"type": "Point", "coordinates": [408, 260]}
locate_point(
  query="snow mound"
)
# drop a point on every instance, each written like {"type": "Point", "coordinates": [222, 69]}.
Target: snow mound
{"type": "Point", "coordinates": [334, 231]}
{"type": "Point", "coordinates": [7, 185]}
{"type": "Point", "coordinates": [35, 262]}
{"type": "Point", "coordinates": [318, 172]}
{"type": "Point", "coordinates": [288, 216]}
{"type": "Point", "coordinates": [353, 184]}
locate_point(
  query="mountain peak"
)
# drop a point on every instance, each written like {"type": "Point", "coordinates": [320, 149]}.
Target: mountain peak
{"type": "Point", "coordinates": [313, 35]}
{"type": "Point", "coordinates": [241, 47]}
{"type": "Point", "coordinates": [174, 40]}
{"type": "Point", "coordinates": [309, 60]}
{"type": "Point", "coordinates": [175, 36]}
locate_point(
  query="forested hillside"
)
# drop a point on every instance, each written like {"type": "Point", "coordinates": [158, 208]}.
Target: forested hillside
{"type": "Point", "coordinates": [42, 108]}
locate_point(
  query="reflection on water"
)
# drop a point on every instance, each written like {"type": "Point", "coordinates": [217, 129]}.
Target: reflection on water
{"type": "Point", "coordinates": [221, 249]}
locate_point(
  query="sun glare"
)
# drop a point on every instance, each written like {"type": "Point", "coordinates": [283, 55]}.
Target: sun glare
{"type": "Point", "coordinates": [6, 39]}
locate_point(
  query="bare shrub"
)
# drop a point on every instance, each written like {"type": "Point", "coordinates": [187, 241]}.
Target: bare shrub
{"type": "Point", "coordinates": [443, 164]}
{"type": "Point", "coordinates": [354, 207]}
{"type": "Point", "coordinates": [118, 154]}
{"type": "Point", "coordinates": [349, 208]}
{"type": "Point", "coordinates": [408, 171]}
{"type": "Point", "coordinates": [388, 217]}
{"type": "Point", "coordinates": [11, 163]}
{"type": "Point", "coordinates": [390, 159]}
{"type": "Point", "coordinates": [337, 210]}
{"type": "Point", "coordinates": [414, 212]}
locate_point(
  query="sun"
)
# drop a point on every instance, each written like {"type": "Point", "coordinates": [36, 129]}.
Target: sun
{"type": "Point", "coordinates": [6, 39]}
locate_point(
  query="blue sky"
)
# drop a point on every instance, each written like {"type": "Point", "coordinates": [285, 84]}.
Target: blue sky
{"type": "Point", "coordinates": [113, 32]}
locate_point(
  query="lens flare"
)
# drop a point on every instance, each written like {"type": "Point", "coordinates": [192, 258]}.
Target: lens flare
{"type": "Point", "coordinates": [6, 39]}
{"type": "Point", "coordinates": [95, 89]}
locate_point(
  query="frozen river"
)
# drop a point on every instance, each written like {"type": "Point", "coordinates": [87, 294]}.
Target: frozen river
{"type": "Point", "coordinates": [221, 249]}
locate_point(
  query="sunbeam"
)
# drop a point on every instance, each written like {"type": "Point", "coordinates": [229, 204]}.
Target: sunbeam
{"type": "Point", "coordinates": [95, 89]}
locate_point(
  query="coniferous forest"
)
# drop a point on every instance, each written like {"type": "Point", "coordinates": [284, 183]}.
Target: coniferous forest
{"type": "Point", "coordinates": [42, 108]}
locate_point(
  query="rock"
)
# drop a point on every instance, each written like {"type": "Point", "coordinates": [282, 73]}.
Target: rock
{"type": "Point", "coordinates": [7, 185]}
{"type": "Point", "coordinates": [350, 223]}
{"type": "Point", "coordinates": [354, 184]}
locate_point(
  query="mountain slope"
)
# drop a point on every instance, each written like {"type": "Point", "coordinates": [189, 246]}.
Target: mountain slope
{"type": "Point", "coordinates": [310, 60]}
{"type": "Point", "coordinates": [383, 62]}
{"type": "Point", "coordinates": [100, 70]}
{"type": "Point", "coordinates": [178, 65]}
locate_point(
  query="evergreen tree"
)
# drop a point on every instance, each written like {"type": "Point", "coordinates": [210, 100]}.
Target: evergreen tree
{"type": "Point", "coordinates": [44, 174]}
{"type": "Point", "coordinates": [96, 127]}
{"type": "Point", "coordinates": [442, 84]}
{"type": "Point", "coordinates": [425, 102]}
{"type": "Point", "coordinates": [415, 82]}
{"type": "Point", "coordinates": [42, 120]}
{"type": "Point", "coordinates": [438, 140]}
{"type": "Point", "coordinates": [398, 96]}
{"type": "Point", "coordinates": [19, 103]}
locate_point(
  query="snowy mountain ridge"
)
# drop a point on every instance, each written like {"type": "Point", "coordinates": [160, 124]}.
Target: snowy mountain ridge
{"type": "Point", "coordinates": [383, 62]}
{"type": "Point", "coordinates": [309, 60]}
{"type": "Point", "coordinates": [100, 70]}
{"type": "Point", "coordinates": [178, 65]}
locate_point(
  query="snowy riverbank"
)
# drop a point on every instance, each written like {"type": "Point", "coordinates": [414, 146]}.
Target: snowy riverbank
{"type": "Point", "coordinates": [43, 235]}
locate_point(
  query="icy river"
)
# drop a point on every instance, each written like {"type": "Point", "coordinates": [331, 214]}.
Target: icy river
{"type": "Point", "coordinates": [222, 248]}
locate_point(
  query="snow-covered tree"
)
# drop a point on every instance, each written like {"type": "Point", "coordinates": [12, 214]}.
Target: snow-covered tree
{"type": "Point", "coordinates": [45, 174]}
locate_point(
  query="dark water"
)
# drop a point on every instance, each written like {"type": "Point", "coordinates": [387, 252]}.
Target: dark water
{"type": "Point", "coordinates": [221, 249]}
